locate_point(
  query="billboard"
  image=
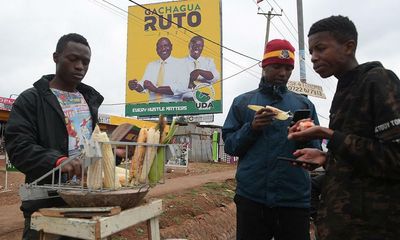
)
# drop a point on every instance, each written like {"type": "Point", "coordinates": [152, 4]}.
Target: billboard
{"type": "Point", "coordinates": [172, 66]}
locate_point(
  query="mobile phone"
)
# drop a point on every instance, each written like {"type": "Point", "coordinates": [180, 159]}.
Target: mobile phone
{"type": "Point", "coordinates": [293, 160]}
{"type": "Point", "coordinates": [300, 114]}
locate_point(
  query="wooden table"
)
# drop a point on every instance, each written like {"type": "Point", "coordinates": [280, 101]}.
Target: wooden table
{"type": "Point", "coordinates": [100, 227]}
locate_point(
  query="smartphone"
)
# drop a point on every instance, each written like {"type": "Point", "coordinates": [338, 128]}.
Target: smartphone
{"type": "Point", "coordinates": [293, 160]}
{"type": "Point", "coordinates": [300, 114]}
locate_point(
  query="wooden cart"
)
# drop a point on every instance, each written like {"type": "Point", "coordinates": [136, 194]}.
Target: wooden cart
{"type": "Point", "coordinates": [98, 227]}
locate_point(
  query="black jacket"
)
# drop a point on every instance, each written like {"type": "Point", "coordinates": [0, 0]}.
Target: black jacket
{"type": "Point", "coordinates": [36, 134]}
{"type": "Point", "coordinates": [361, 190]}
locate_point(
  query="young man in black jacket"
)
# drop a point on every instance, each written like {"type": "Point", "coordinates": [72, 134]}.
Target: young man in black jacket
{"type": "Point", "coordinates": [49, 121]}
{"type": "Point", "coordinates": [361, 189]}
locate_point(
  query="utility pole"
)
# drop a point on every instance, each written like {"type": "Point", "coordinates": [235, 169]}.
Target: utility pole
{"type": "Point", "coordinates": [269, 16]}
{"type": "Point", "coordinates": [302, 54]}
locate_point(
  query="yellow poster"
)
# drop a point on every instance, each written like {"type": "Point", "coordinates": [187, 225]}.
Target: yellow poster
{"type": "Point", "coordinates": [174, 58]}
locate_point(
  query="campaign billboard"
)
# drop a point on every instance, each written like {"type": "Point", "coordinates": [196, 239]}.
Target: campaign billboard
{"type": "Point", "coordinates": [174, 63]}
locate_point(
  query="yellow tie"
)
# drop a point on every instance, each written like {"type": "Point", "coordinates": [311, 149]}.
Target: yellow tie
{"type": "Point", "coordinates": [196, 66]}
{"type": "Point", "coordinates": [160, 79]}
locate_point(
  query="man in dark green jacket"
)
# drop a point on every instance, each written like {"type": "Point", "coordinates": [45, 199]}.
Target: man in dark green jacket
{"type": "Point", "coordinates": [361, 189]}
{"type": "Point", "coordinates": [48, 122]}
{"type": "Point", "coordinates": [272, 196]}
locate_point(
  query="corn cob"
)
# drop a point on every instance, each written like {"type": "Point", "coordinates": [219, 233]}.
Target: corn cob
{"type": "Point", "coordinates": [123, 175]}
{"type": "Point", "coordinates": [94, 173]}
{"type": "Point", "coordinates": [280, 115]}
{"type": "Point", "coordinates": [157, 169]}
{"type": "Point", "coordinates": [153, 137]}
{"type": "Point", "coordinates": [94, 176]}
{"type": "Point", "coordinates": [138, 156]}
{"type": "Point", "coordinates": [108, 161]}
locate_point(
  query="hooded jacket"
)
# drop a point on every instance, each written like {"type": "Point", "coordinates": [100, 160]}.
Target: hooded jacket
{"type": "Point", "coordinates": [36, 134]}
{"type": "Point", "coordinates": [361, 190]}
{"type": "Point", "coordinates": [260, 176]}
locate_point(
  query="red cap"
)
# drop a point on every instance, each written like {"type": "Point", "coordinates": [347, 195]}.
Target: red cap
{"type": "Point", "coordinates": [278, 51]}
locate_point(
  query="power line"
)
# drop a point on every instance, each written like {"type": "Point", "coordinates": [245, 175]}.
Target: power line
{"type": "Point", "coordinates": [187, 29]}
{"type": "Point", "coordinates": [182, 40]}
{"type": "Point", "coordinates": [107, 8]}
{"type": "Point", "coordinates": [284, 24]}
{"type": "Point", "coordinates": [233, 75]}
{"type": "Point", "coordinates": [242, 67]}
{"type": "Point", "coordinates": [272, 9]}
{"type": "Point", "coordinates": [327, 86]}
{"type": "Point", "coordinates": [206, 48]}
{"type": "Point", "coordinates": [241, 71]}
{"type": "Point", "coordinates": [290, 22]}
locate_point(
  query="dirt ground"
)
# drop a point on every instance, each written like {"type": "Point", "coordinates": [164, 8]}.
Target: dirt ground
{"type": "Point", "coordinates": [183, 210]}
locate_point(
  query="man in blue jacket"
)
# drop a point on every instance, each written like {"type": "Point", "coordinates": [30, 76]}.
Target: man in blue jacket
{"type": "Point", "coordinates": [272, 196]}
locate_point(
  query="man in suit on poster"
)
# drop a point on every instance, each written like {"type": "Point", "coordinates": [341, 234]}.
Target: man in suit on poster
{"type": "Point", "coordinates": [163, 79]}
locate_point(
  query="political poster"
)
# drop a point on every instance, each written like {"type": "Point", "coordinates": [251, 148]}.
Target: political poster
{"type": "Point", "coordinates": [174, 64]}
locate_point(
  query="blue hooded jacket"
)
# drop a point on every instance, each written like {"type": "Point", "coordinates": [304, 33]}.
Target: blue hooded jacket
{"type": "Point", "coordinates": [260, 176]}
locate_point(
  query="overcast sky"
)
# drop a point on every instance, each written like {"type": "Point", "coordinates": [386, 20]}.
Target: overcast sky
{"type": "Point", "coordinates": [30, 30]}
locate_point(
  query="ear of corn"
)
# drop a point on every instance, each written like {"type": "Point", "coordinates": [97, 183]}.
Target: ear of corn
{"type": "Point", "coordinates": [94, 176]}
{"type": "Point", "coordinates": [138, 156]}
{"type": "Point", "coordinates": [280, 115]}
{"type": "Point", "coordinates": [123, 176]}
{"type": "Point", "coordinates": [255, 107]}
{"type": "Point", "coordinates": [94, 173]}
{"type": "Point", "coordinates": [153, 137]}
{"type": "Point", "coordinates": [108, 161]}
{"type": "Point", "coordinates": [157, 169]}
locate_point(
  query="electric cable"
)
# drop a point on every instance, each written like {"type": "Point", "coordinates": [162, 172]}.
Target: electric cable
{"type": "Point", "coordinates": [189, 30]}
{"type": "Point", "coordinates": [233, 75]}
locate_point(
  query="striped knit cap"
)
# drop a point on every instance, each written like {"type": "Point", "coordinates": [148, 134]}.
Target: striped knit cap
{"type": "Point", "coordinates": [278, 51]}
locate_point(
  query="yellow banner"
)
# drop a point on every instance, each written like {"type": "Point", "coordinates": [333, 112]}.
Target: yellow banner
{"type": "Point", "coordinates": [171, 70]}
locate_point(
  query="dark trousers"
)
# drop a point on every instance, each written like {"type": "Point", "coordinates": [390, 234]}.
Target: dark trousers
{"type": "Point", "coordinates": [28, 233]}
{"type": "Point", "coordinates": [257, 221]}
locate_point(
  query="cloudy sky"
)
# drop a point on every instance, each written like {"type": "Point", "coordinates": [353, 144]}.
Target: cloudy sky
{"type": "Point", "coordinates": [30, 30]}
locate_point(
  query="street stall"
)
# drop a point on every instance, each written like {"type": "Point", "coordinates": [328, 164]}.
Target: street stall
{"type": "Point", "coordinates": [107, 198]}
{"type": "Point", "coordinates": [109, 195]}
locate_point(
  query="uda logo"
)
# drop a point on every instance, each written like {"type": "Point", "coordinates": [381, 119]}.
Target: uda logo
{"type": "Point", "coordinates": [204, 96]}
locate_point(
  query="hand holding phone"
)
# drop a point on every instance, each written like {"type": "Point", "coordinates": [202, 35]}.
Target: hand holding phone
{"type": "Point", "coordinates": [299, 115]}
{"type": "Point", "coordinates": [308, 165]}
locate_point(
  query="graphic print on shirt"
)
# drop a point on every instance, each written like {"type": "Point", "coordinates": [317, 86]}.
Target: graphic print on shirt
{"type": "Point", "coordinates": [78, 120]}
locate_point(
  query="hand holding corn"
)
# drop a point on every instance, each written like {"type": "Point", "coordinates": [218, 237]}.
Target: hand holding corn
{"type": "Point", "coordinates": [262, 118]}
